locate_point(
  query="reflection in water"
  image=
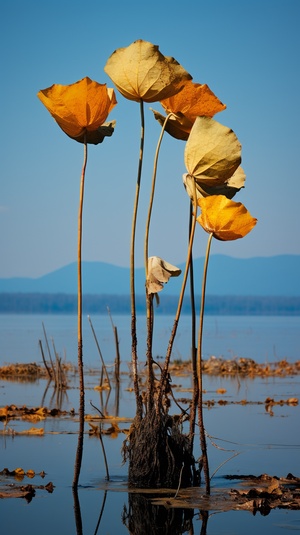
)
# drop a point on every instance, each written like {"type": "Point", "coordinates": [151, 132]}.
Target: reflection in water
{"type": "Point", "coordinates": [101, 512]}
{"type": "Point", "coordinates": [77, 511]}
{"type": "Point", "coordinates": [144, 517]}
{"type": "Point", "coordinates": [58, 397]}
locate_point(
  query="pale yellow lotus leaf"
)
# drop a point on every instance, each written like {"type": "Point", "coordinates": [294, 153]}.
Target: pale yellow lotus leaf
{"type": "Point", "coordinates": [159, 272]}
{"type": "Point", "coordinates": [142, 73]}
{"type": "Point", "coordinates": [212, 152]}
{"type": "Point", "coordinates": [225, 219]}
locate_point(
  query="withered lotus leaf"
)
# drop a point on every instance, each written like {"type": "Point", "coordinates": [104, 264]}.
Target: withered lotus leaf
{"type": "Point", "coordinates": [229, 188]}
{"type": "Point", "coordinates": [172, 126]}
{"type": "Point", "coordinates": [192, 101]}
{"type": "Point", "coordinates": [81, 109]}
{"type": "Point", "coordinates": [212, 152]}
{"type": "Point", "coordinates": [142, 73]}
{"type": "Point", "coordinates": [159, 272]}
{"type": "Point", "coordinates": [225, 219]}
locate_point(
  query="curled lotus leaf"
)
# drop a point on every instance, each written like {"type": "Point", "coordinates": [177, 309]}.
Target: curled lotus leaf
{"type": "Point", "coordinates": [212, 152]}
{"type": "Point", "coordinates": [97, 136]}
{"type": "Point", "coordinates": [142, 73]}
{"type": "Point", "coordinates": [225, 219]}
{"type": "Point", "coordinates": [229, 188]}
{"type": "Point", "coordinates": [81, 109]}
{"type": "Point", "coordinates": [177, 126]}
{"type": "Point", "coordinates": [194, 100]}
{"type": "Point", "coordinates": [159, 272]}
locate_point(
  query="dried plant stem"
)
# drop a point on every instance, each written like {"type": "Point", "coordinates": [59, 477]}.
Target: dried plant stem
{"type": "Point", "coordinates": [149, 298]}
{"type": "Point", "coordinates": [193, 411]}
{"type": "Point", "coordinates": [180, 301]}
{"type": "Point", "coordinates": [44, 360]}
{"type": "Point", "coordinates": [48, 349]}
{"type": "Point", "coordinates": [101, 442]}
{"type": "Point", "coordinates": [79, 451]}
{"type": "Point", "coordinates": [199, 369]}
{"type": "Point", "coordinates": [134, 357]}
{"type": "Point", "coordinates": [118, 358]}
{"type": "Point", "coordinates": [100, 352]}
{"type": "Point", "coordinates": [146, 244]}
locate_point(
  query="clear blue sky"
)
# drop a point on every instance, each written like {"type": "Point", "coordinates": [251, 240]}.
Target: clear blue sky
{"type": "Point", "coordinates": [246, 51]}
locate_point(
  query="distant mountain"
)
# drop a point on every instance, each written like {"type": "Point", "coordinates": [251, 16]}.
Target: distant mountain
{"type": "Point", "coordinates": [259, 276]}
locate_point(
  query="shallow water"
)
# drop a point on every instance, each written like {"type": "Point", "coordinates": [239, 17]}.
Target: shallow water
{"type": "Point", "coordinates": [242, 439]}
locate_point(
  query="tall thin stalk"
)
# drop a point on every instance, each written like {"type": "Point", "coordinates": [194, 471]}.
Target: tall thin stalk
{"type": "Point", "coordinates": [149, 298]}
{"type": "Point", "coordinates": [79, 451]}
{"type": "Point", "coordinates": [199, 368]}
{"type": "Point", "coordinates": [134, 357]}
{"type": "Point", "coordinates": [180, 300]}
{"type": "Point", "coordinates": [193, 410]}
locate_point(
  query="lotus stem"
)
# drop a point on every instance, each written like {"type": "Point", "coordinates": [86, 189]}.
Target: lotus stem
{"type": "Point", "coordinates": [193, 411]}
{"type": "Point", "coordinates": [149, 298]}
{"type": "Point", "coordinates": [180, 300]}
{"type": "Point", "coordinates": [79, 451]}
{"type": "Point", "coordinates": [134, 357]}
{"type": "Point", "coordinates": [199, 366]}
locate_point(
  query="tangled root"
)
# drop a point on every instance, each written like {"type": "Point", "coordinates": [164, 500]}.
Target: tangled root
{"type": "Point", "coordinates": [158, 453]}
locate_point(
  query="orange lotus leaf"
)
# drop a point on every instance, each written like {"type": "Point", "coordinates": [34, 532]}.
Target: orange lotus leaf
{"type": "Point", "coordinates": [225, 219]}
{"type": "Point", "coordinates": [80, 109]}
{"type": "Point", "coordinates": [192, 101]}
{"type": "Point", "coordinates": [142, 73]}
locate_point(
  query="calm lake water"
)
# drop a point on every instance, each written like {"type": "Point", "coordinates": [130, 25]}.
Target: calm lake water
{"type": "Point", "coordinates": [242, 439]}
{"type": "Point", "coordinates": [262, 338]}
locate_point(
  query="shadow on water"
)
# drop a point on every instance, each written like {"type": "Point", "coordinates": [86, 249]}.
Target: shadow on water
{"type": "Point", "coordinates": [142, 516]}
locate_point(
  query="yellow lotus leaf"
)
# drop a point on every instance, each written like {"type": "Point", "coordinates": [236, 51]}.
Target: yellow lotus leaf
{"type": "Point", "coordinates": [142, 73]}
{"type": "Point", "coordinates": [192, 101]}
{"type": "Point", "coordinates": [225, 219]}
{"type": "Point", "coordinates": [212, 152]}
{"type": "Point", "coordinates": [229, 188]}
{"type": "Point", "coordinates": [81, 109]}
{"type": "Point", "coordinates": [159, 272]}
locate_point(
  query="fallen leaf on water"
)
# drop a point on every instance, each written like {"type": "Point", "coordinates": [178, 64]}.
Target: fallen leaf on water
{"type": "Point", "coordinates": [33, 417]}
{"type": "Point", "coordinates": [112, 431]}
{"type": "Point", "coordinates": [32, 431]}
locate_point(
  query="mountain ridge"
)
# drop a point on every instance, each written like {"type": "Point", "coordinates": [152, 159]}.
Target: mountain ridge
{"type": "Point", "coordinates": [256, 276]}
